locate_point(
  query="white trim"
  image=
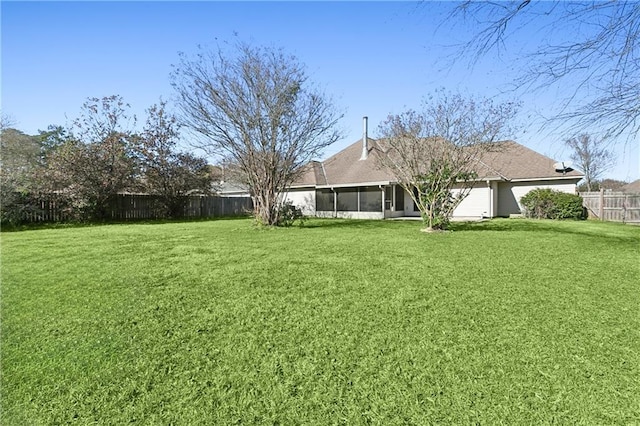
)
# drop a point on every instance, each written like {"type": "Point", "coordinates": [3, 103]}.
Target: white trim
{"type": "Point", "coordinates": [353, 185]}
{"type": "Point", "coordinates": [533, 179]}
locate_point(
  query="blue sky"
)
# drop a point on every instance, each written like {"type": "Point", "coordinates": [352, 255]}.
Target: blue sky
{"type": "Point", "coordinates": [372, 58]}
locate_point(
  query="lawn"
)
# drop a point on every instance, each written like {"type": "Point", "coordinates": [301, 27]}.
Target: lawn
{"type": "Point", "coordinates": [336, 322]}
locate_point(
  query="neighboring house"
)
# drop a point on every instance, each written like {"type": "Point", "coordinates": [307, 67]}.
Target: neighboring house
{"type": "Point", "coordinates": [350, 184]}
{"type": "Point", "coordinates": [633, 187]}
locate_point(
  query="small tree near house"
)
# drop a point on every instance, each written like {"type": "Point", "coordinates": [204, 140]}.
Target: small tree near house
{"type": "Point", "coordinates": [434, 154]}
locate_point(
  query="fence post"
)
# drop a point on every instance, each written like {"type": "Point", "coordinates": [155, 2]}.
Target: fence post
{"type": "Point", "coordinates": [601, 209]}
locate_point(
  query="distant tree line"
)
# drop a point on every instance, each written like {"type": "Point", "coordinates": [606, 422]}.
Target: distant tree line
{"type": "Point", "coordinates": [606, 184]}
{"type": "Point", "coordinates": [88, 163]}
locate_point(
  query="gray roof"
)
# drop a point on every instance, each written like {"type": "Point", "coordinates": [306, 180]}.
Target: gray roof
{"type": "Point", "coordinates": [510, 161]}
{"type": "Point", "coordinates": [633, 187]}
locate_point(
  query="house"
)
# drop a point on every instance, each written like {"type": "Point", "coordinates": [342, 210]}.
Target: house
{"type": "Point", "coordinates": [632, 188]}
{"type": "Point", "coordinates": [351, 184]}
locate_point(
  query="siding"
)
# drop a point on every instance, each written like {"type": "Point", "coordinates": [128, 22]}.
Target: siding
{"type": "Point", "coordinates": [304, 199]}
{"type": "Point", "coordinates": [476, 204]}
{"type": "Point", "coordinates": [509, 193]}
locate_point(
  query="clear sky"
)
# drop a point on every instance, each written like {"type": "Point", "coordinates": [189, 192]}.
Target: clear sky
{"type": "Point", "coordinates": [372, 58]}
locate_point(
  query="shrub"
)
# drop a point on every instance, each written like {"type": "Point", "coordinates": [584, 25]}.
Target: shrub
{"type": "Point", "coordinates": [289, 214]}
{"type": "Point", "coordinates": [545, 203]}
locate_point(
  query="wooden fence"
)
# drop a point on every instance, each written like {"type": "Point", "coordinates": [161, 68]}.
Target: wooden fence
{"type": "Point", "coordinates": [612, 206]}
{"type": "Point", "coordinates": [141, 206]}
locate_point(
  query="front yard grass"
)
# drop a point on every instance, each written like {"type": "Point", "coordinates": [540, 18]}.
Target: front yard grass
{"type": "Point", "coordinates": [336, 322]}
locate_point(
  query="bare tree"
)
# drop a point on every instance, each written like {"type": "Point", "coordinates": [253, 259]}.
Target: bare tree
{"type": "Point", "coordinates": [591, 157]}
{"type": "Point", "coordinates": [256, 108]}
{"type": "Point", "coordinates": [591, 47]}
{"type": "Point", "coordinates": [434, 154]}
{"type": "Point", "coordinates": [6, 121]}
{"type": "Point", "coordinates": [168, 173]}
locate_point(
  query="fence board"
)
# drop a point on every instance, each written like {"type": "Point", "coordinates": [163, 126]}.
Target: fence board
{"type": "Point", "coordinates": [613, 206]}
{"type": "Point", "coordinates": [141, 206]}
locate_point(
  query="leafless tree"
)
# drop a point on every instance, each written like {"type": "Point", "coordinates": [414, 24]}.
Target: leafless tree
{"type": "Point", "coordinates": [6, 121]}
{"type": "Point", "coordinates": [255, 108]}
{"type": "Point", "coordinates": [591, 157]}
{"type": "Point", "coordinates": [590, 47]}
{"type": "Point", "coordinates": [434, 154]}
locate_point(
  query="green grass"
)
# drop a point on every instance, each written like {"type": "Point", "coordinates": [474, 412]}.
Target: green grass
{"type": "Point", "coordinates": [336, 322]}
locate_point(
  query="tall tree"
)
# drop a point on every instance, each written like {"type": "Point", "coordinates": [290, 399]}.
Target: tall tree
{"type": "Point", "coordinates": [256, 108]}
{"type": "Point", "coordinates": [591, 156]}
{"type": "Point", "coordinates": [589, 47]}
{"type": "Point", "coordinates": [434, 153]}
{"type": "Point", "coordinates": [98, 159]}
{"type": "Point", "coordinates": [167, 173]}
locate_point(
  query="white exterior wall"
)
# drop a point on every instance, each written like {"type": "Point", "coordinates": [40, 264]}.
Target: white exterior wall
{"type": "Point", "coordinates": [358, 215]}
{"type": "Point", "coordinates": [495, 199]}
{"type": "Point", "coordinates": [481, 202]}
{"type": "Point", "coordinates": [304, 199]}
{"type": "Point", "coordinates": [509, 193]}
{"type": "Point", "coordinates": [477, 203]}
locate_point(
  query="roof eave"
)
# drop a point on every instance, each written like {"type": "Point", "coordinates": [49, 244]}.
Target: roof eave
{"type": "Point", "coordinates": [525, 179]}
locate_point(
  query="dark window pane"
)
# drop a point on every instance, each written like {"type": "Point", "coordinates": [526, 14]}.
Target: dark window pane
{"type": "Point", "coordinates": [348, 199]}
{"type": "Point", "coordinates": [399, 198]}
{"type": "Point", "coordinates": [388, 197]}
{"type": "Point", "coordinates": [370, 199]}
{"type": "Point", "coordinates": [324, 200]}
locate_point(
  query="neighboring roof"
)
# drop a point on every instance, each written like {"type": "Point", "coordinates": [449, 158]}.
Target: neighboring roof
{"type": "Point", "coordinates": [509, 161]}
{"type": "Point", "coordinates": [633, 187]}
{"type": "Point", "coordinates": [226, 188]}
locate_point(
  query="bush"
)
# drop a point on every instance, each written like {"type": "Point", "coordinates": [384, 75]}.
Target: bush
{"type": "Point", "coordinates": [551, 204]}
{"type": "Point", "coordinates": [289, 214]}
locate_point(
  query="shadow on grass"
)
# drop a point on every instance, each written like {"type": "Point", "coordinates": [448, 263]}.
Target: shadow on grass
{"type": "Point", "coordinates": [88, 224]}
{"type": "Point", "coordinates": [607, 230]}
{"type": "Point", "coordinates": [344, 223]}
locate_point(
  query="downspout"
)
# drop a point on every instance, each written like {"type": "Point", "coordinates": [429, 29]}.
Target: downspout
{"type": "Point", "coordinates": [335, 203]}
{"type": "Point", "coordinates": [490, 198]}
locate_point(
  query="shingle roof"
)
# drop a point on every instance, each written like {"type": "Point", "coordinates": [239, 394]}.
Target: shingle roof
{"type": "Point", "coordinates": [633, 187]}
{"type": "Point", "coordinates": [517, 162]}
{"type": "Point", "coordinates": [346, 167]}
{"type": "Point", "coordinates": [311, 174]}
{"type": "Point", "coordinates": [509, 161]}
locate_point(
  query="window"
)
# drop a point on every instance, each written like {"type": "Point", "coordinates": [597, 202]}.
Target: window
{"type": "Point", "coordinates": [370, 199]}
{"type": "Point", "coordinates": [324, 200]}
{"type": "Point", "coordinates": [388, 197]}
{"type": "Point", "coordinates": [347, 199]}
{"type": "Point", "coordinates": [399, 198]}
